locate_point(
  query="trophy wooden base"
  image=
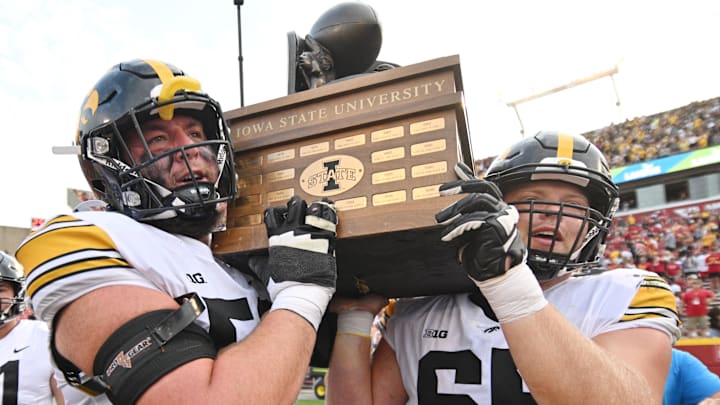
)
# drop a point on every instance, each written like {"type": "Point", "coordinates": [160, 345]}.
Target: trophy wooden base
{"type": "Point", "coordinates": [395, 265]}
{"type": "Point", "coordinates": [402, 264]}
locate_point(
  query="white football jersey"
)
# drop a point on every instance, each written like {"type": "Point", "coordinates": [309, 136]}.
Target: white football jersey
{"type": "Point", "coordinates": [72, 255]}
{"type": "Point", "coordinates": [74, 396]}
{"type": "Point", "coordinates": [451, 350]}
{"type": "Point", "coordinates": [25, 365]}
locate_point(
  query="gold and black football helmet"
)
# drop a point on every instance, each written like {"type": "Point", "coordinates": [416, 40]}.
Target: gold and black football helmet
{"type": "Point", "coordinates": [571, 159]}
{"type": "Point", "coordinates": [129, 94]}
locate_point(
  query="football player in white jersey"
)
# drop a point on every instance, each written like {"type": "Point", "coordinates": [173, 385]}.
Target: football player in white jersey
{"type": "Point", "coordinates": [26, 372]}
{"type": "Point", "coordinates": [544, 327]}
{"type": "Point", "coordinates": [139, 306]}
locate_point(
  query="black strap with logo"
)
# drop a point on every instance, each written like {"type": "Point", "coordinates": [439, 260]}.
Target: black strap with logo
{"type": "Point", "coordinates": [191, 306]}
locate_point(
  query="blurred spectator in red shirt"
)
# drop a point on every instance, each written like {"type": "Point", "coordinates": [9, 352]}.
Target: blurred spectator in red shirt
{"type": "Point", "coordinates": [713, 265]}
{"type": "Point", "coordinates": [659, 266]}
{"type": "Point", "coordinates": [672, 265]}
{"type": "Point", "coordinates": [695, 302]}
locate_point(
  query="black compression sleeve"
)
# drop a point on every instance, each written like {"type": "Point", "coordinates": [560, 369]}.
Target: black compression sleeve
{"type": "Point", "coordinates": [133, 358]}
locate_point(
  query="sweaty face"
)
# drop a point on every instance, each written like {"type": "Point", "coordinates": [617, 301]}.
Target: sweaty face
{"type": "Point", "coordinates": [178, 168]}
{"type": "Point", "coordinates": [551, 226]}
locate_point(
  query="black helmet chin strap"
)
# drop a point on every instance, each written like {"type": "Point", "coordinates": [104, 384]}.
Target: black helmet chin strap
{"type": "Point", "coordinates": [15, 308]}
{"type": "Point", "coordinates": [190, 200]}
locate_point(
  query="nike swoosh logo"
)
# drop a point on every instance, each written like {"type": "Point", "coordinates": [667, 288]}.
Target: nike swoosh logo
{"type": "Point", "coordinates": [16, 350]}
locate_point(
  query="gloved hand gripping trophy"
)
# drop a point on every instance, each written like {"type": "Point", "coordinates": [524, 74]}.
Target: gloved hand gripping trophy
{"type": "Point", "coordinates": [300, 271]}
{"type": "Point", "coordinates": [490, 248]}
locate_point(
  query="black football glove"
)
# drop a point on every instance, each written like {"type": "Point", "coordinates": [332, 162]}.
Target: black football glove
{"type": "Point", "coordinates": [300, 270]}
{"type": "Point", "coordinates": [484, 227]}
{"type": "Point", "coordinates": [302, 227]}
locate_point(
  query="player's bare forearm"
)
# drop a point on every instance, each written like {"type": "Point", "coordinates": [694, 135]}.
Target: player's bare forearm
{"type": "Point", "coordinates": [349, 375]}
{"type": "Point", "coordinates": [352, 382]}
{"type": "Point", "coordinates": [267, 367]}
{"type": "Point", "coordinates": [562, 366]}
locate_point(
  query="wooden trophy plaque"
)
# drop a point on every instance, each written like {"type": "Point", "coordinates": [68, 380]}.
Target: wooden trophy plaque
{"type": "Point", "coordinates": [379, 145]}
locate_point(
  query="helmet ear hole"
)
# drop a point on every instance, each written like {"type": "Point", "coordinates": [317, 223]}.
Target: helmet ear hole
{"type": "Point", "coordinates": [98, 185]}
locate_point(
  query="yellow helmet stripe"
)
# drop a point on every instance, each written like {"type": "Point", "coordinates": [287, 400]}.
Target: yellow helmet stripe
{"type": "Point", "coordinates": [162, 70]}
{"type": "Point", "coordinates": [171, 84]}
{"type": "Point", "coordinates": [565, 146]}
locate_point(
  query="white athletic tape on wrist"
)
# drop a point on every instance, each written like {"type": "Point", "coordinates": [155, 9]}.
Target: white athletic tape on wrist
{"type": "Point", "coordinates": [356, 323]}
{"type": "Point", "coordinates": [514, 295]}
{"type": "Point", "coordinates": [306, 300]}
{"type": "Point", "coordinates": [321, 223]}
{"type": "Point", "coordinates": [304, 242]}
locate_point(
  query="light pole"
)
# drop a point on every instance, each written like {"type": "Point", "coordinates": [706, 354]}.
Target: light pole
{"type": "Point", "coordinates": [239, 3]}
{"type": "Point", "coordinates": [599, 75]}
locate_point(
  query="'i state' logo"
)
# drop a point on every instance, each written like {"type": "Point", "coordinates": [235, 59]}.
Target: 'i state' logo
{"type": "Point", "coordinates": [331, 175]}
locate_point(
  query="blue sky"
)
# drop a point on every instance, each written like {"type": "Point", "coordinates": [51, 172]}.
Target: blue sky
{"type": "Point", "coordinates": [52, 52]}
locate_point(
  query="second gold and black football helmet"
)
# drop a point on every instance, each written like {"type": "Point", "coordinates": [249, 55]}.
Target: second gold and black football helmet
{"type": "Point", "coordinates": [571, 159]}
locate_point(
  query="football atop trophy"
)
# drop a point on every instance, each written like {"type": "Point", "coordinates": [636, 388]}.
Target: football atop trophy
{"type": "Point", "coordinates": [344, 42]}
{"type": "Point", "coordinates": [376, 138]}
{"type": "Point", "coordinates": [351, 33]}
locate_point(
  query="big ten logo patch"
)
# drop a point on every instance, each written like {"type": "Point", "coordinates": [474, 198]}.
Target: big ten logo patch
{"type": "Point", "coordinates": [435, 333]}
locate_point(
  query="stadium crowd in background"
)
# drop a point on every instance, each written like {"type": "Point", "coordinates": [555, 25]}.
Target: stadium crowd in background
{"type": "Point", "coordinates": [676, 247]}
{"type": "Point", "coordinates": [683, 129]}
{"type": "Point", "coordinates": [658, 240]}
{"type": "Point", "coordinates": [690, 127]}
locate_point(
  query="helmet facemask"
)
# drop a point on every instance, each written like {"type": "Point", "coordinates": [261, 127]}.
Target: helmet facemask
{"type": "Point", "coordinates": [552, 262]}
{"type": "Point", "coordinates": [13, 307]}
